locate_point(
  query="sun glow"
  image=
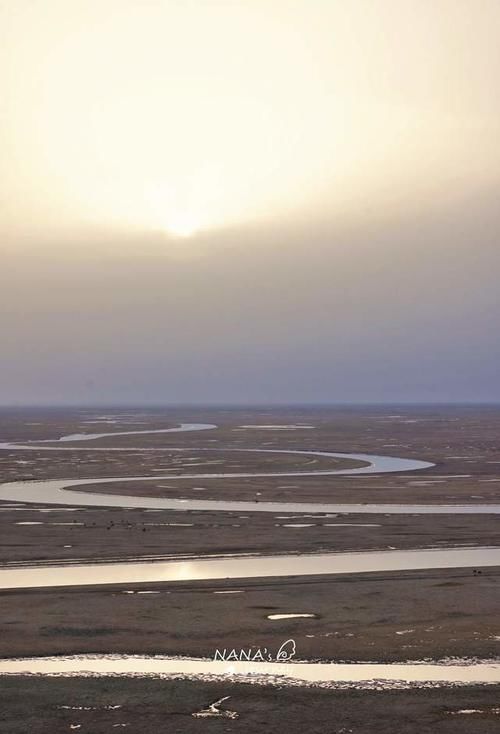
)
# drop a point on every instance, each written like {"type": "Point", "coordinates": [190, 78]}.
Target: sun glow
{"type": "Point", "coordinates": [232, 113]}
{"type": "Point", "coordinates": [183, 206]}
{"type": "Point", "coordinates": [182, 226]}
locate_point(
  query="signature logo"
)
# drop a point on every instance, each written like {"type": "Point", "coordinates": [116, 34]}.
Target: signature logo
{"type": "Point", "coordinates": [258, 654]}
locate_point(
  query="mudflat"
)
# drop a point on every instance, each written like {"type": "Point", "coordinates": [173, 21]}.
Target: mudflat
{"type": "Point", "coordinates": [143, 706]}
{"type": "Point", "coordinates": [379, 617]}
{"type": "Point", "coordinates": [386, 617]}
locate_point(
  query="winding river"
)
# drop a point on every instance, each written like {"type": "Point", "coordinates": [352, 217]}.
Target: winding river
{"type": "Point", "coordinates": [61, 491]}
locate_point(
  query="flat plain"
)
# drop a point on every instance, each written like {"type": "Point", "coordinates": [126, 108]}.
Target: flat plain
{"type": "Point", "coordinates": [433, 614]}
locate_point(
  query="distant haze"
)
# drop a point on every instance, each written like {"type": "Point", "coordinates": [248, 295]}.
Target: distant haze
{"type": "Point", "coordinates": [264, 201]}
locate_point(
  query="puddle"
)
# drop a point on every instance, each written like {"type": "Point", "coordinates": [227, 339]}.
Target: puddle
{"type": "Point", "coordinates": [29, 523]}
{"type": "Point", "coordinates": [290, 616]}
{"type": "Point", "coordinates": [495, 710]}
{"type": "Point", "coordinates": [239, 591]}
{"type": "Point", "coordinates": [169, 524]}
{"type": "Point", "coordinates": [351, 525]}
{"type": "Point", "coordinates": [291, 427]}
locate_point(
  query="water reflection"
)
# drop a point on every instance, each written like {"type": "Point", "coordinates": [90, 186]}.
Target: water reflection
{"type": "Point", "coordinates": [398, 674]}
{"type": "Point", "coordinates": [246, 567]}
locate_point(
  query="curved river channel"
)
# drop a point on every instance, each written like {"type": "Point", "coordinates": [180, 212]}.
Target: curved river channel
{"type": "Point", "coordinates": [60, 491]}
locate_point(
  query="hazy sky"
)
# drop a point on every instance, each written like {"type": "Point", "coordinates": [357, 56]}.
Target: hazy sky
{"type": "Point", "coordinates": [249, 200]}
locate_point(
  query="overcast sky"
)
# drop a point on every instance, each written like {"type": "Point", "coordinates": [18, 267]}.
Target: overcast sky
{"type": "Point", "coordinates": [253, 201]}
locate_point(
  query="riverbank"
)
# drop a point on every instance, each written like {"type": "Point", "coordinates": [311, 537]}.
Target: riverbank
{"type": "Point", "coordinates": [384, 617]}
{"type": "Point", "coordinates": [34, 533]}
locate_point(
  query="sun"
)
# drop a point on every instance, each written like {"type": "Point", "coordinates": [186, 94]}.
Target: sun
{"type": "Point", "coordinates": [182, 226]}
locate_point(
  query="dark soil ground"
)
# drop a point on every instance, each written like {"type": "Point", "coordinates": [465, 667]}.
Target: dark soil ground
{"type": "Point", "coordinates": [139, 706]}
{"type": "Point", "coordinates": [118, 534]}
{"type": "Point", "coordinates": [377, 617]}
{"type": "Point", "coordinates": [360, 617]}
